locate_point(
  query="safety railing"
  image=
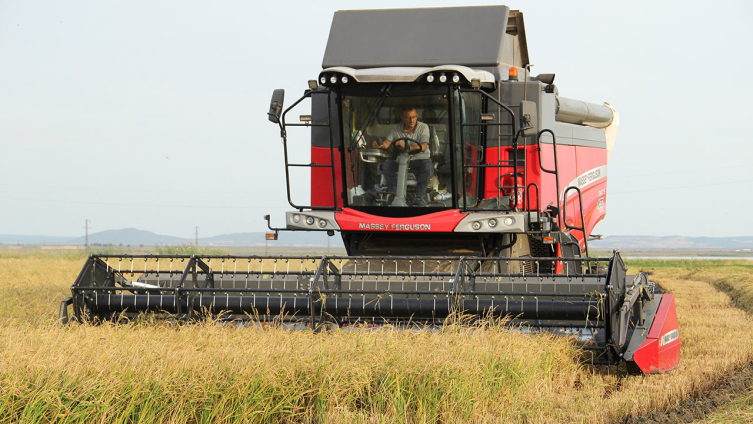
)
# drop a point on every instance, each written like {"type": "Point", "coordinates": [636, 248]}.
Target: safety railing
{"type": "Point", "coordinates": [326, 125]}
{"type": "Point", "coordinates": [512, 163]}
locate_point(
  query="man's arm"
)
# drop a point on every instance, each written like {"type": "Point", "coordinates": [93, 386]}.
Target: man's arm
{"type": "Point", "coordinates": [387, 142]}
{"type": "Point", "coordinates": [401, 144]}
{"type": "Point", "coordinates": [422, 146]}
{"type": "Point", "coordinates": [423, 139]}
{"type": "Point", "coordinates": [383, 145]}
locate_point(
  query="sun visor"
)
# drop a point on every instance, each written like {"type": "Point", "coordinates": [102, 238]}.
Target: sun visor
{"type": "Point", "coordinates": [468, 36]}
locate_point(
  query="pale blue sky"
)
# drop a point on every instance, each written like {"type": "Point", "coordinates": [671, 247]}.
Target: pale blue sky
{"type": "Point", "coordinates": [152, 114]}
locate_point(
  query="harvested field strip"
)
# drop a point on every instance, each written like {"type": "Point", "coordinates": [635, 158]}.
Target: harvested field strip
{"type": "Point", "coordinates": [717, 343]}
{"type": "Point", "coordinates": [211, 373]}
{"type": "Point", "coordinates": [738, 411]}
{"type": "Point", "coordinates": [736, 396]}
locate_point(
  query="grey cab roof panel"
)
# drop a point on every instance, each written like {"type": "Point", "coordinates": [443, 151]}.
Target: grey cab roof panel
{"type": "Point", "coordinates": [469, 36]}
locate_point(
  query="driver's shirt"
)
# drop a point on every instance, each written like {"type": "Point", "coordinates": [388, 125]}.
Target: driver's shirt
{"type": "Point", "coordinates": [420, 134]}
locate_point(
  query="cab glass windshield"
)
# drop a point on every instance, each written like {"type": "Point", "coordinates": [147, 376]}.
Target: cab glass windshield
{"type": "Point", "coordinates": [397, 146]}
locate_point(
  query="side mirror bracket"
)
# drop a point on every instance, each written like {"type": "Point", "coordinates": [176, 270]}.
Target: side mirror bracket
{"type": "Point", "coordinates": [529, 121]}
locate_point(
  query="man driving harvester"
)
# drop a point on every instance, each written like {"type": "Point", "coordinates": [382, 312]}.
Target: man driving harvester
{"type": "Point", "coordinates": [411, 136]}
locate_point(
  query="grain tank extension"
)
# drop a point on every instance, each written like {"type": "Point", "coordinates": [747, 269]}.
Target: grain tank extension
{"type": "Point", "coordinates": [459, 183]}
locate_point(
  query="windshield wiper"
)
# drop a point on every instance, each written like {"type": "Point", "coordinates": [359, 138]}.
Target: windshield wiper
{"type": "Point", "coordinates": [383, 94]}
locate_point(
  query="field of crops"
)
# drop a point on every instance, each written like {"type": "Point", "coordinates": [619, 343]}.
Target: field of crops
{"type": "Point", "coordinates": [205, 372]}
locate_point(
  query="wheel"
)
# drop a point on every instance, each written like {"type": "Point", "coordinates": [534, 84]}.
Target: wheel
{"type": "Point", "coordinates": [409, 140]}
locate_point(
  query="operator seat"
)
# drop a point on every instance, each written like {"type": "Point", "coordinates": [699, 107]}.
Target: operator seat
{"type": "Point", "coordinates": [439, 148]}
{"type": "Point", "coordinates": [429, 117]}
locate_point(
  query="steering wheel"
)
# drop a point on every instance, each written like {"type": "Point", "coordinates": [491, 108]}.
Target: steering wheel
{"type": "Point", "coordinates": [407, 140]}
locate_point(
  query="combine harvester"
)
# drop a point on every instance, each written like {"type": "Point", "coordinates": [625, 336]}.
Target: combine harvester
{"type": "Point", "coordinates": [460, 183]}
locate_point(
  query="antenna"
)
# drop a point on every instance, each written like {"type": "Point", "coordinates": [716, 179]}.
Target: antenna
{"type": "Point", "coordinates": [86, 238]}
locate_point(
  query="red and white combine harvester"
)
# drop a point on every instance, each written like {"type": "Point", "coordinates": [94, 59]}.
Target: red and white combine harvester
{"type": "Point", "coordinates": [460, 183]}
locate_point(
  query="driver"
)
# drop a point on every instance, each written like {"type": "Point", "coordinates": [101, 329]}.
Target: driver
{"type": "Point", "coordinates": [420, 163]}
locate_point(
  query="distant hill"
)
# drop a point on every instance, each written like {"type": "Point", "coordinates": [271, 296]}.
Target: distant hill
{"type": "Point", "coordinates": [285, 238]}
{"type": "Point", "coordinates": [19, 239]}
{"type": "Point", "coordinates": [672, 242]}
{"type": "Point", "coordinates": [133, 236]}
{"type": "Point", "coordinates": [128, 236]}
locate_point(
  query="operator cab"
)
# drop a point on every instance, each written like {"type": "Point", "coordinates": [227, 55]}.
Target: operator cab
{"type": "Point", "coordinates": [357, 126]}
{"type": "Point", "coordinates": [379, 178]}
{"type": "Point", "coordinates": [369, 104]}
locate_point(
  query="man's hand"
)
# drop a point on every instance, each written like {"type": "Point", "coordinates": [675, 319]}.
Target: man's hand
{"type": "Point", "coordinates": [400, 144]}
{"type": "Point", "coordinates": [383, 145]}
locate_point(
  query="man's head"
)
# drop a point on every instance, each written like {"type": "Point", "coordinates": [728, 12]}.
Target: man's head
{"type": "Point", "coordinates": [410, 118]}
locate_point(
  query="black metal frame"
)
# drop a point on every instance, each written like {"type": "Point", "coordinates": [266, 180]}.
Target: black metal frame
{"type": "Point", "coordinates": [102, 291]}
{"type": "Point", "coordinates": [283, 133]}
{"type": "Point", "coordinates": [582, 228]}
{"type": "Point", "coordinates": [513, 163]}
{"type": "Point", "coordinates": [551, 171]}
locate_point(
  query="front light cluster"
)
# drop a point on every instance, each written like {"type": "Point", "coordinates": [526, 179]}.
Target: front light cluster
{"type": "Point", "coordinates": [333, 79]}
{"type": "Point", "coordinates": [508, 221]}
{"type": "Point", "coordinates": [443, 78]}
{"type": "Point", "coordinates": [309, 220]}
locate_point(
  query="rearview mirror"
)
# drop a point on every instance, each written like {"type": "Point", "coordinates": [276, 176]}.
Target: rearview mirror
{"type": "Point", "coordinates": [275, 106]}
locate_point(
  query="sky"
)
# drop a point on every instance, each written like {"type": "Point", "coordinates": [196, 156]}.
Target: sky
{"type": "Point", "coordinates": [152, 114]}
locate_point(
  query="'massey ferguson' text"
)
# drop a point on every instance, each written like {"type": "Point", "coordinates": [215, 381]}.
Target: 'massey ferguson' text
{"type": "Point", "coordinates": [393, 227]}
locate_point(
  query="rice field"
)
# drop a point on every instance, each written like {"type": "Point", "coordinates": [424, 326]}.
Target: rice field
{"type": "Point", "coordinates": [210, 373]}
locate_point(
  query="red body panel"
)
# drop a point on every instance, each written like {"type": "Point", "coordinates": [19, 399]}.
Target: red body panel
{"type": "Point", "coordinates": [495, 177]}
{"type": "Point", "coordinates": [321, 178]}
{"type": "Point", "coordinates": [592, 180]}
{"type": "Point", "coordinates": [437, 222]}
{"type": "Point", "coordinates": [660, 352]}
{"type": "Point", "coordinates": [577, 165]}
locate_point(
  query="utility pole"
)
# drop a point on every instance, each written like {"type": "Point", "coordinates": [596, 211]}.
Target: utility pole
{"type": "Point", "coordinates": [197, 236]}
{"type": "Point", "coordinates": [86, 238]}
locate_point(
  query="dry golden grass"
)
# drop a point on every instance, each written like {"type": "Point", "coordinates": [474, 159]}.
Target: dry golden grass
{"type": "Point", "coordinates": [213, 373]}
{"type": "Point", "coordinates": [738, 282]}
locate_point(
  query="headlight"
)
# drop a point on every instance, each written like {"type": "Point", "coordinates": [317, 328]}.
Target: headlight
{"type": "Point", "coordinates": [333, 79]}
{"type": "Point", "coordinates": [455, 78]}
{"type": "Point", "coordinates": [296, 218]}
{"type": "Point", "coordinates": [310, 220]}
{"type": "Point", "coordinates": [344, 79]}
{"type": "Point", "coordinates": [476, 225]}
{"type": "Point", "coordinates": [509, 221]}
{"type": "Point", "coordinates": [492, 223]}
{"type": "Point", "coordinates": [322, 223]}
{"type": "Point", "coordinates": [430, 78]}
{"type": "Point", "coordinates": [442, 78]}
{"type": "Point", "coordinates": [323, 80]}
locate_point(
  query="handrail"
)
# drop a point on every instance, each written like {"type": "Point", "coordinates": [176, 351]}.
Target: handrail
{"type": "Point", "coordinates": [582, 228]}
{"type": "Point", "coordinates": [288, 165]}
{"type": "Point", "coordinates": [538, 201]}
{"type": "Point", "coordinates": [555, 171]}
{"type": "Point", "coordinates": [514, 135]}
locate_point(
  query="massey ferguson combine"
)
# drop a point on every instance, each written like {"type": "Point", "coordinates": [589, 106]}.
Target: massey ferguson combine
{"type": "Point", "coordinates": [461, 184]}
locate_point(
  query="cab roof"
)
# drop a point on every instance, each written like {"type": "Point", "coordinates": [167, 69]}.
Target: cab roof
{"type": "Point", "coordinates": [483, 37]}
